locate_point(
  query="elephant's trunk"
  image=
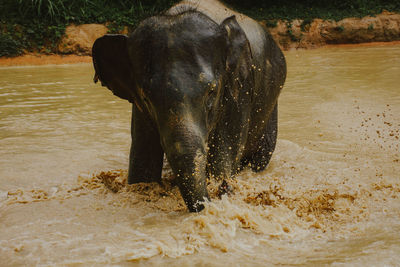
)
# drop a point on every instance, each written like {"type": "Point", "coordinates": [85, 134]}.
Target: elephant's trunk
{"type": "Point", "coordinates": [186, 152]}
{"type": "Point", "coordinates": [191, 179]}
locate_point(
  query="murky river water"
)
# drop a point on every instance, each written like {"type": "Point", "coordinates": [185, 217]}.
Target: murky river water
{"type": "Point", "coordinates": [331, 194]}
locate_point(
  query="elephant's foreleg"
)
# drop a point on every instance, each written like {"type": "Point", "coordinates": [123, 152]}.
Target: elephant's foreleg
{"type": "Point", "coordinates": [146, 156]}
{"type": "Point", "coordinates": [260, 159]}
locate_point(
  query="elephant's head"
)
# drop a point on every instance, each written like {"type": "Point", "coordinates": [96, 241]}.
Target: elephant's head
{"type": "Point", "coordinates": [178, 69]}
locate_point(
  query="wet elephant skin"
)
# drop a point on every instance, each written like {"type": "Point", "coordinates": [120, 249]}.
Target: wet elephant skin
{"type": "Point", "coordinates": [204, 90]}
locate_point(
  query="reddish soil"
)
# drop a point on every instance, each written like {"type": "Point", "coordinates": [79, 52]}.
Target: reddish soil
{"type": "Point", "coordinates": [38, 59]}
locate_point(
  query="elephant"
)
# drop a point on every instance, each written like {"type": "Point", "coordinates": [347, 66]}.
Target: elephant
{"type": "Point", "coordinates": [204, 82]}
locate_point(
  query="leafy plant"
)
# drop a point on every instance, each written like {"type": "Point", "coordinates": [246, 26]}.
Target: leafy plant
{"type": "Point", "coordinates": [9, 46]}
{"type": "Point", "coordinates": [50, 8]}
{"type": "Point", "coordinates": [370, 27]}
{"type": "Point", "coordinates": [306, 22]}
{"type": "Point", "coordinates": [271, 23]}
{"type": "Point", "coordinates": [339, 28]}
{"type": "Point", "coordinates": [34, 25]}
{"type": "Point", "coordinates": [293, 37]}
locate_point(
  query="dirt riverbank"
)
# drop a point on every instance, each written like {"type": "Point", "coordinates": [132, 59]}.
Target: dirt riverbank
{"type": "Point", "coordinates": [40, 59]}
{"type": "Point", "coordinates": [382, 29]}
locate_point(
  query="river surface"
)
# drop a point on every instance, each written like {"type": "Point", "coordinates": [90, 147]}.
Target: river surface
{"type": "Point", "coordinates": [330, 196]}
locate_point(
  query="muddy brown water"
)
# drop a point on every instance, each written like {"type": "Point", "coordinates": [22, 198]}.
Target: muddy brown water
{"type": "Point", "coordinates": [329, 197]}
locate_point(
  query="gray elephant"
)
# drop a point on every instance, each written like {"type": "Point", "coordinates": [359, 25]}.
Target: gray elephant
{"type": "Point", "coordinates": [204, 83]}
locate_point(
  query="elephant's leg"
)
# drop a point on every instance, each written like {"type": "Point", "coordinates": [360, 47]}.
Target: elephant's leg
{"type": "Point", "coordinates": [260, 159]}
{"type": "Point", "coordinates": [221, 160]}
{"type": "Point", "coordinates": [146, 156]}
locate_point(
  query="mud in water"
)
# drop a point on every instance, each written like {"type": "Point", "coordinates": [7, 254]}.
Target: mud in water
{"type": "Point", "coordinates": [330, 195]}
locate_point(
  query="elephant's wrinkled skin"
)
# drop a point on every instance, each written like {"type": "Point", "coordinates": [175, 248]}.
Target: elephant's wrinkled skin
{"type": "Point", "coordinates": [204, 83]}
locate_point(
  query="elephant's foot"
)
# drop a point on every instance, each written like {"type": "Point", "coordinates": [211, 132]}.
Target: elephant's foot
{"type": "Point", "coordinates": [145, 170]}
{"type": "Point", "coordinates": [224, 188]}
{"type": "Point", "coordinates": [136, 180]}
{"type": "Point", "coordinates": [261, 163]}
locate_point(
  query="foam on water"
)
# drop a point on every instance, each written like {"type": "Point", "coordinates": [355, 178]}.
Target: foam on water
{"type": "Point", "coordinates": [289, 219]}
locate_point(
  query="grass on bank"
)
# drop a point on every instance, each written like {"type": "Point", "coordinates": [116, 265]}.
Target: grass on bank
{"type": "Point", "coordinates": [38, 25]}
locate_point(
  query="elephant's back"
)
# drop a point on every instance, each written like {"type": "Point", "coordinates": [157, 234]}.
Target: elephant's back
{"type": "Point", "coordinates": [214, 9]}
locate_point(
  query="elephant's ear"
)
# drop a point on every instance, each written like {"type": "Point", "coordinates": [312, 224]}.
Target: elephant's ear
{"type": "Point", "coordinates": [238, 59]}
{"type": "Point", "coordinates": [112, 65]}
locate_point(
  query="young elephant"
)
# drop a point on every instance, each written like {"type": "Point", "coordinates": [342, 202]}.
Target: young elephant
{"type": "Point", "coordinates": [204, 83]}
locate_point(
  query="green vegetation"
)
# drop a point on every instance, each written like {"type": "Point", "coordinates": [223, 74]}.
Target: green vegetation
{"type": "Point", "coordinates": [310, 9]}
{"type": "Point", "coordinates": [9, 46]}
{"type": "Point", "coordinates": [340, 28]}
{"type": "Point", "coordinates": [37, 25]}
{"type": "Point", "coordinates": [290, 32]}
{"type": "Point", "coordinates": [370, 27]}
{"type": "Point", "coordinates": [306, 22]}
